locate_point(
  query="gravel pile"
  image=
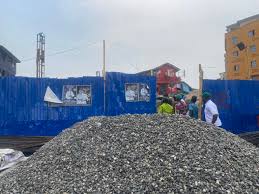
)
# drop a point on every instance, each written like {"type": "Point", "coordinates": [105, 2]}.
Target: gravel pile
{"type": "Point", "coordinates": [139, 154]}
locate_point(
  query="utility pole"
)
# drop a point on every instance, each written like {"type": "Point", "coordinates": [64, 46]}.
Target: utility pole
{"type": "Point", "coordinates": [104, 68]}
{"type": "Point", "coordinates": [40, 56]}
{"type": "Point", "coordinates": [104, 78]}
{"type": "Point", "coordinates": [200, 89]}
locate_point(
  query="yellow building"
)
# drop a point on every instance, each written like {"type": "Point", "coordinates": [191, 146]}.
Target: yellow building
{"type": "Point", "coordinates": [242, 49]}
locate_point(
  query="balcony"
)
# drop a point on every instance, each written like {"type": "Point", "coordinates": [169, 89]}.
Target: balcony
{"type": "Point", "coordinates": [237, 60]}
{"type": "Point", "coordinates": [236, 74]}
{"type": "Point", "coordinates": [255, 71]}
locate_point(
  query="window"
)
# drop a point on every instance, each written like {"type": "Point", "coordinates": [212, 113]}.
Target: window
{"type": "Point", "coordinates": [254, 77]}
{"type": "Point", "coordinates": [235, 54]}
{"type": "Point", "coordinates": [9, 60]}
{"type": "Point", "coordinates": [236, 67]}
{"type": "Point", "coordinates": [171, 73]}
{"type": "Point", "coordinates": [253, 63]}
{"type": "Point", "coordinates": [251, 33]}
{"type": "Point", "coordinates": [253, 48]}
{"type": "Point", "coordinates": [234, 40]}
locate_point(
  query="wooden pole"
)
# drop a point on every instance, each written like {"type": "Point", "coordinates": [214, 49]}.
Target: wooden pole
{"type": "Point", "coordinates": [104, 68]}
{"type": "Point", "coordinates": [104, 77]}
{"type": "Point", "coordinates": [200, 89]}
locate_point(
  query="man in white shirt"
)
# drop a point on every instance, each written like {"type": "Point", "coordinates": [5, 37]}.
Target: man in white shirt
{"type": "Point", "coordinates": [211, 110]}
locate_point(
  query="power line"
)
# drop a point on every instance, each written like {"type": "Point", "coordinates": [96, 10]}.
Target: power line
{"type": "Point", "coordinates": [64, 51]}
{"type": "Point", "coordinates": [57, 53]}
{"type": "Point", "coordinates": [52, 54]}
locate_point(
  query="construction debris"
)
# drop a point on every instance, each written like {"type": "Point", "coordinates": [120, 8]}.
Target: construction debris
{"type": "Point", "coordinates": [9, 158]}
{"type": "Point", "coordinates": [139, 154]}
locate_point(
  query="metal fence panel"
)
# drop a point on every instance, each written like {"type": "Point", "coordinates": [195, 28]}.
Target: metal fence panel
{"type": "Point", "coordinates": [238, 103]}
{"type": "Point", "coordinates": [116, 103]}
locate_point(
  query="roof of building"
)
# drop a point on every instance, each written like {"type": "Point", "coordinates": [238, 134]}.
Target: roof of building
{"type": "Point", "coordinates": [165, 64]}
{"type": "Point", "coordinates": [2, 48]}
{"type": "Point", "coordinates": [242, 22]}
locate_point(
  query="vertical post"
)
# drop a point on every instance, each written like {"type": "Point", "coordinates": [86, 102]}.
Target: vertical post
{"type": "Point", "coordinates": [200, 89]}
{"type": "Point", "coordinates": [37, 56]}
{"type": "Point", "coordinates": [104, 78]}
{"type": "Point", "coordinates": [104, 68]}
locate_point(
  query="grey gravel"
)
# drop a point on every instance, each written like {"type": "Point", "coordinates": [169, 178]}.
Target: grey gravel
{"type": "Point", "coordinates": [139, 154]}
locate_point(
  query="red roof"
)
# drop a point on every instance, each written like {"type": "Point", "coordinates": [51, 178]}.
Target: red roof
{"type": "Point", "coordinates": [159, 67]}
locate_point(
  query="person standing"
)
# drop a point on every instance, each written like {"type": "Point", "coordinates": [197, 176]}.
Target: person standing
{"type": "Point", "coordinates": [181, 106]}
{"type": "Point", "coordinates": [211, 110]}
{"type": "Point", "coordinates": [193, 108]}
{"type": "Point", "coordinates": [165, 107]}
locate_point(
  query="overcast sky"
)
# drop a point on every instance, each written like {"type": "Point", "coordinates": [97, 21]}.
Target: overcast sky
{"type": "Point", "coordinates": [140, 34]}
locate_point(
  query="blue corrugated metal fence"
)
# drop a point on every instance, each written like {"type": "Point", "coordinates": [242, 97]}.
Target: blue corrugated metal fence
{"type": "Point", "coordinates": [24, 112]}
{"type": "Point", "coordinates": [238, 103]}
{"type": "Point", "coordinates": [116, 103]}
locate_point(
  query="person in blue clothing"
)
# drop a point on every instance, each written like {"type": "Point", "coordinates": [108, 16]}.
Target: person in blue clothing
{"type": "Point", "coordinates": [193, 108]}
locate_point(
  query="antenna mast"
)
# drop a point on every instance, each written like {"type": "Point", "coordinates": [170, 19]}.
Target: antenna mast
{"type": "Point", "coordinates": [40, 57]}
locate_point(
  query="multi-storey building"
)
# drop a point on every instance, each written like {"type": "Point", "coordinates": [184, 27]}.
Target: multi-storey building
{"type": "Point", "coordinates": [7, 62]}
{"type": "Point", "coordinates": [242, 49]}
{"type": "Point", "coordinates": [166, 79]}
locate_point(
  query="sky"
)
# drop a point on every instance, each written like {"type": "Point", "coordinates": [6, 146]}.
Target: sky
{"type": "Point", "coordinates": [139, 34]}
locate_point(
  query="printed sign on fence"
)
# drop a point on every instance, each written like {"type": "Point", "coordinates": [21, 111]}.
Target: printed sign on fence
{"type": "Point", "coordinates": [131, 93]}
{"type": "Point", "coordinates": [144, 92]}
{"type": "Point", "coordinates": [77, 95]}
{"type": "Point", "coordinates": [135, 92]}
{"type": "Point", "coordinates": [84, 95]}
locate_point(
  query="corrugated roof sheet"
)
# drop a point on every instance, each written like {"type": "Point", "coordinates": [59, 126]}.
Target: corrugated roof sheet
{"type": "Point", "coordinates": [2, 48]}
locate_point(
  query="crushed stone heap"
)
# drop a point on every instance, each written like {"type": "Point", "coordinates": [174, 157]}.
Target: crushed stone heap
{"type": "Point", "coordinates": [139, 154]}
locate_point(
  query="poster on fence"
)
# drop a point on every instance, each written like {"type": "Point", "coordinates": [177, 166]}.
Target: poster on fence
{"type": "Point", "coordinates": [131, 93]}
{"type": "Point", "coordinates": [83, 95]}
{"type": "Point", "coordinates": [144, 92]}
{"type": "Point", "coordinates": [77, 95]}
{"type": "Point", "coordinates": [135, 92]}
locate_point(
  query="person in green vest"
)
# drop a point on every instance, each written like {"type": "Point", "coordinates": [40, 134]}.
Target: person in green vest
{"type": "Point", "coordinates": [166, 107]}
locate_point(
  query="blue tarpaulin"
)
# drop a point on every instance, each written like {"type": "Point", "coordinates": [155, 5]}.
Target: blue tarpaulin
{"type": "Point", "coordinates": [238, 103]}
{"type": "Point", "coordinates": [23, 111]}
